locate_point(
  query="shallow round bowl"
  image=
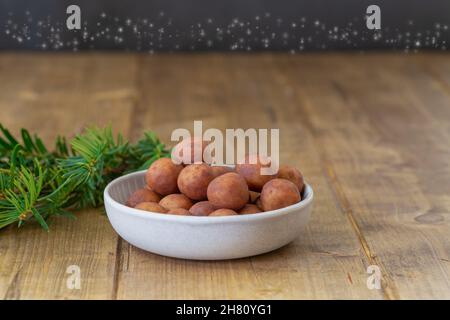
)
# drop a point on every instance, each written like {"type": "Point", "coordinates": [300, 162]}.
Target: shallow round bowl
{"type": "Point", "coordinates": [202, 238]}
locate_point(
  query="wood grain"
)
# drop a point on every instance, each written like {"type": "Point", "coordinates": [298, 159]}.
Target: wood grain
{"type": "Point", "coordinates": [325, 262]}
{"type": "Point", "coordinates": [384, 152]}
{"type": "Point", "coordinates": [51, 95]}
{"type": "Point", "coordinates": [368, 131]}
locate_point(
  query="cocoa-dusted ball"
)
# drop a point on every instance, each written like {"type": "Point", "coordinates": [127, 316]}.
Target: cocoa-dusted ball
{"type": "Point", "coordinates": [251, 171]}
{"type": "Point", "coordinates": [142, 195]}
{"type": "Point", "coordinates": [176, 200]}
{"type": "Point", "coordinates": [162, 176]}
{"type": "Point", "coordinates": [220, 170]}
{"type": "Point", "coordinates": [279, 193]}
{"type": "Point", "coordinates": [151, 207]}
{"type": "Point", "coordinates": [250, 209]}
{"type": "Point", "coordinates": [228, 191]}
{"type": "Point", "coordinates": [202, 208]}
{"type": "Point", "coordinates": [194, 179]}
{"type": "Point", "coordinates": [223, 212]}
{"type": "Point", "coordinates": [292, 174]}
{"type": "Point", "coordinates": [179, 212]}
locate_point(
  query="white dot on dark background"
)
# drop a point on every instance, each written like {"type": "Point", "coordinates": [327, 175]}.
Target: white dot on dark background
{"type": "Point", "coordinates": [263, 31]}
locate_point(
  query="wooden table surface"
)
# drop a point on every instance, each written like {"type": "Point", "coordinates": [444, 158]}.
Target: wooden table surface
{"type": "Point", "coordinates": [371, 133]}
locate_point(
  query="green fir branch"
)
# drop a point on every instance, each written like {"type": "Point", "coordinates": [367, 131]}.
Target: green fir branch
{"type": "Point", "coordinates": [36, 184]}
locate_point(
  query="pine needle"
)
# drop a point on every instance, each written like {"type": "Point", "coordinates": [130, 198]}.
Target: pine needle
{"type": "Point", "coordinates": [36, 184]}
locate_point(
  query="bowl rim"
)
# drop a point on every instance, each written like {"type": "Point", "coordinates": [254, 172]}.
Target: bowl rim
{"type": "Point", "coordinates": [123, 209]}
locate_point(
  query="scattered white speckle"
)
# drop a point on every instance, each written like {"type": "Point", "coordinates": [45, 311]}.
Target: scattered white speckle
{"type": "Point", "coordinates": [264, 31]}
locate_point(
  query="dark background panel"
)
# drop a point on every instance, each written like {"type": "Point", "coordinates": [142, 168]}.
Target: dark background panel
{"type": "Point", "coordinates": [172, 25]}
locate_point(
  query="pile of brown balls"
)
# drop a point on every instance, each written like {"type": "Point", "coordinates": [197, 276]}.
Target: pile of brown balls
{"type": "Point", "coordinates": [204, 190]}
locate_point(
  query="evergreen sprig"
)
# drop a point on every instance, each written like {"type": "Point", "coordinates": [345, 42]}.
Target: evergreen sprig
{"type": "Point", "coordinates": [36, 183]}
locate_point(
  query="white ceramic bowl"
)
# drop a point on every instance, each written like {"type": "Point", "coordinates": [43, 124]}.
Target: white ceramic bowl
{"type": "Point", "coordinates": [202, 238]}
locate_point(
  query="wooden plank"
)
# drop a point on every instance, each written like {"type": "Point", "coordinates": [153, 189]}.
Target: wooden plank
{"type": "Point", "coordinates": [387, 161]}
{"type": "Point", "coordinates": [367, 130]}
{"type": "Point", "coordinates": [437, 66]}
{"type": "Point", "coordinates": [60, 94]}
{"type": "Point", "coordinates": [326, 261]}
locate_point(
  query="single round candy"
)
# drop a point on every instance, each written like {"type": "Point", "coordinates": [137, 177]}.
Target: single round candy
{"type": "Point", "coordinates": [142, 195]}
{"type": "Point", "coordinates": [194, 179]}
{"type": "Point", "coordinates": [176, 200]}
{"type": "Point", "coordinates": [179, 212]}
{"type": "Point", "coordinates": [228, 191]}
{"type": "Point", "coordinates": [251, 171]}
{"type": "Point", "coordinates": [202, 208]}
{"type": "Point", "coordinates": [279, 193]}
{"type": "Point", "coordinates": [223, 212]}
{"type": "Point", "coordinates": [250, 209]}
{"type": "Point", "coordinates": [151, 207]}
{"type": "Point", "coordinates": [162, 176]}
{"type": "Point", "coordinates": [292, 174]}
